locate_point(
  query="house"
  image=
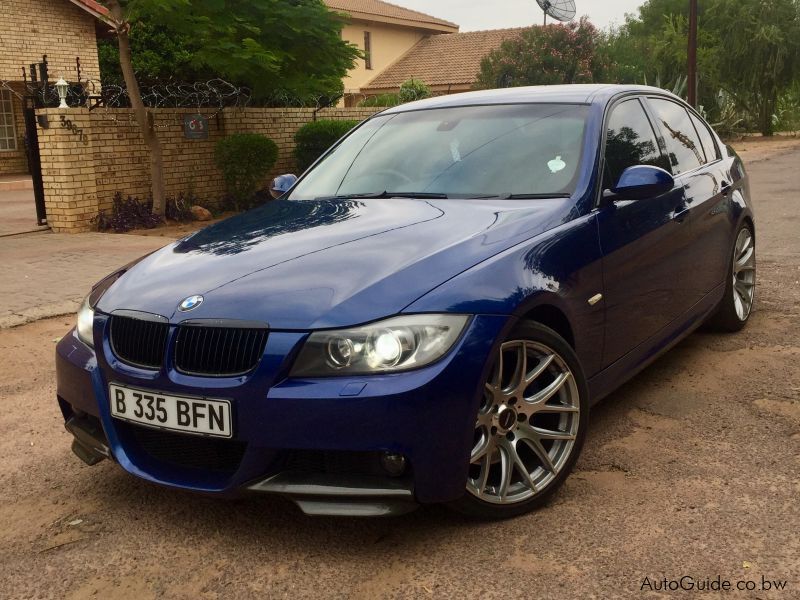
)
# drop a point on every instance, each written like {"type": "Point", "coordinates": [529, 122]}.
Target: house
{"type": "Point", "coordinates": [385, 32]}
{"type": "Point", "coordinates": [447, 64]}
{"type": "Point", "coordinates": [62, 30]}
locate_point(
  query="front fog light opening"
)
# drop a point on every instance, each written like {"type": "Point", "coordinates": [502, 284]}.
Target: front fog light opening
{"type": "Point", "coordinates": [393, 463]}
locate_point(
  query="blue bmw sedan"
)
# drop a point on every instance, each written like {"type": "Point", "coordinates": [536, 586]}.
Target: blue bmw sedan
{"type": "Point", "coordinates": [427, 314]}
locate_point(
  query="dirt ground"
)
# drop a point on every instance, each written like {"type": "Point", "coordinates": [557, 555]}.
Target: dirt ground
{"type": "Point", "coordinates": [691, 469]}
{"type": "Point", "coordinates": [753, 148]}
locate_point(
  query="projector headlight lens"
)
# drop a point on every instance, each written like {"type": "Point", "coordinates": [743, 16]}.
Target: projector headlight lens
{"type": "Point", "coordinates": [396, 344]}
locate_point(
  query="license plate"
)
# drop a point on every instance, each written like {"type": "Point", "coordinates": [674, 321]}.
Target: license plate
{"type": "Point", "coordinates": [177, 413]}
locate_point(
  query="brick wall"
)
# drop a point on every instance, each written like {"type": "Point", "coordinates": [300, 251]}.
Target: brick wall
{"type": "Point", "coordinates": [82, 170]}
{"type": "Point", "coordinates": [57, 28]}
{"type": "Point", "coordinates": [122, 161]}
{"type": "Point", "coordinates": [68, 169]}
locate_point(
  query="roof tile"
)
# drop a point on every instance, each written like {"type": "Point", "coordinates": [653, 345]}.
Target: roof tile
{"type": "Point", "coordinates": [447, 59]}
{"type": "Point", "coordinates": [92, 5]}
{"type": "Point", "coordinates": [385, 9]}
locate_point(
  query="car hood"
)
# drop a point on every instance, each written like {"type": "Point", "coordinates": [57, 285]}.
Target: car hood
{"type": "Point", "coordinates": [327, 263]}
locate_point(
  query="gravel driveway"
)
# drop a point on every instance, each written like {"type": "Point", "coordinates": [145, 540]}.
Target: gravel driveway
{"type": "Point", "coordinates": [691, 470]}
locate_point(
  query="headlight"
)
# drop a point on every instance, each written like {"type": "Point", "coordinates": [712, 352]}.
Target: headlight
{"type": "Point", "coordinates": [397, 344]}
{"type": "Point", "coordinates": [85, 323]}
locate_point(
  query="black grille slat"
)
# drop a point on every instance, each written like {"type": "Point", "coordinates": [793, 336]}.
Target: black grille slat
{"type": "Point", "coordinates": [139, 342]}
{"type": "Point", "coordinates": [191, 451]}
{"type": "Point", "coordinates": [218, 351]}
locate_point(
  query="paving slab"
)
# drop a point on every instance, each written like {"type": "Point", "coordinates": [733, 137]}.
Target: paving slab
{"type": "Point", "coordinates": [17, 212]}
{"type": "Point", "coordinates": [48, 274]}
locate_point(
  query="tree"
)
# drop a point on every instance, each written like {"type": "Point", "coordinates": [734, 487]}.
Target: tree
{"type": "Point", "coordinates": [293, 46]}
{"type": "Point", "coordinates": [652, 46]}
{"type": "Point", "coordinates": [158, 56]}
{"type": "Point", "coordinates": [748, 48]}
{"type": "Point", "coordinates": [761, 58]}
{"type": "Point", "coordinates": [122, 27]}
{"type": "Point", "coordinates": [546, 55]}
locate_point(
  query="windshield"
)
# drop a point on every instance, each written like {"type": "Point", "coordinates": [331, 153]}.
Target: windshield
{"type": "Point", "coordinates": [473, 151]}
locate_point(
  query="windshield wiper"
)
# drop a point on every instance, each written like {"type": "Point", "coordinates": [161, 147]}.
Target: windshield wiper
{"type": "Point", "coordinates": [532, 196]}
{"type": "Point", "coordinates": [426, 195]}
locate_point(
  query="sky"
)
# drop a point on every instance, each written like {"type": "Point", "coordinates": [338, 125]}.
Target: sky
{"type": "Point", "coordinates": [474, 15]}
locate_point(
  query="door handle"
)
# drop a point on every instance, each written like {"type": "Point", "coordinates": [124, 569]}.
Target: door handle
{"type": "Point", "coordinates": [726, 187]}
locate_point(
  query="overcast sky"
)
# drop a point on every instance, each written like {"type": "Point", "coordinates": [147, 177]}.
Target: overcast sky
{"type": "Point", "coordinates": [494, 14]}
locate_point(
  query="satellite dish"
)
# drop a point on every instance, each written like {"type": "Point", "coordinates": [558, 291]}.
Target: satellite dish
{"type": "Point", "coordinates": [560, 10]}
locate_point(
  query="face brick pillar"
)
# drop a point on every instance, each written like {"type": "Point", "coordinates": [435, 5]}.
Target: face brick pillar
{"type": "Point", "coordinates": [68, 169]}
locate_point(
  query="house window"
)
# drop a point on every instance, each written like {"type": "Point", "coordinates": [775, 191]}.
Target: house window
{"type": "Point", "coordinates": [8, 132]}
{"type": "Point", "coordinates": [367, 50]}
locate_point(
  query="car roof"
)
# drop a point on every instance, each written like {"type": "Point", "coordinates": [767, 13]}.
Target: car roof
{"type": "Point", "coordinates": [566, 94]}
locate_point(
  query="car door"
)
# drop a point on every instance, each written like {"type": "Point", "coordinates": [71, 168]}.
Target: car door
{"type": "Point", "coordinates": [695, 160]}
{"type": "Point", "coordinates": [637, 237]}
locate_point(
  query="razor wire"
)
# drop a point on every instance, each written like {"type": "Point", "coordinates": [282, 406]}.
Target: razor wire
{"type": "Point", "coordinates": [207, 98]}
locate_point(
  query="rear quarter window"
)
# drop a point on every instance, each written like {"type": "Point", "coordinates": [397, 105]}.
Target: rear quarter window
{"type": "Point", "coordinates": [706, 139]}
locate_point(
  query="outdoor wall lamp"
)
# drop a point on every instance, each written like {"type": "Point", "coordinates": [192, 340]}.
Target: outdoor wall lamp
{"type": "Point", "coordinates": [62, 87]}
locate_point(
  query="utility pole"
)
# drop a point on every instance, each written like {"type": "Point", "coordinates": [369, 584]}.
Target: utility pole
{"type": "Point", "coordinates": [692, 55]}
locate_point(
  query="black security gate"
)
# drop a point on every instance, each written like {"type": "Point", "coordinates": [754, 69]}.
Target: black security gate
{"type": "Point", "coordinates": [34, 159]}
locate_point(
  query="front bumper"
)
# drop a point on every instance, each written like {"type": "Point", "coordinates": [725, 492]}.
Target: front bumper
{"type": "Point", "coordinates": [426, 415]}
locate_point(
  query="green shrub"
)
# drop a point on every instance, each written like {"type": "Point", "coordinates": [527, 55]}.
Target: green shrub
{"type": "Point", "coordinates": [413, 89]}
{"type": "Point", "coordinates": [127, 214]}
{"type": "Point", "coordinates": [381, 100]}
{"type": "Point", "coordinates": [313, 139]}
{"type": "Point", "coordinates": [244, 159]}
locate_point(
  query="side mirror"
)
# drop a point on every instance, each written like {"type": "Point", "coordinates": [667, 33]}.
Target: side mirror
{"type": "Point", "coordinates": [643, 181]}
{"type": "Point", "coordinates": [282, 184]}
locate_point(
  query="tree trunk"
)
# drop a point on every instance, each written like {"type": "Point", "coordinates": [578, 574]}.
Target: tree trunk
{"type": "Point", "coordinates": [141, 113]}
{"type": "Point", "coordinates": [768, 102]}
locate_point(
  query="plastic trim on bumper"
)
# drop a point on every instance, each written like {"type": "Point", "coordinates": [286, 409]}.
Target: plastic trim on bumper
{"type": "Point", "coordinates": [341, 495]}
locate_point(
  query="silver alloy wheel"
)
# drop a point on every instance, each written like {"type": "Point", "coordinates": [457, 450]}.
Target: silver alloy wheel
{"type": "Point", "coordinates": [744, 274]}
{"type": "Point", "coordinates": [527, 425]}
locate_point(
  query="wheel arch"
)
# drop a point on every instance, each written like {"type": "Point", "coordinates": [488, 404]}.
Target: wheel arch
{"type": "Point", "coordinates": [748, 219]}
{"type": "Point", "coordinates": [550, 315]}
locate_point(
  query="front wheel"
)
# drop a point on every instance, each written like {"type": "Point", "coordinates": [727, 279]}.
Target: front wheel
{"type": "Point", "coordinates": [530, 426]}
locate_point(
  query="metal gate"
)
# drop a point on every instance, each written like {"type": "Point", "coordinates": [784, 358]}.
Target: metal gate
{"type": "Point", "coordinates": [34, 159]}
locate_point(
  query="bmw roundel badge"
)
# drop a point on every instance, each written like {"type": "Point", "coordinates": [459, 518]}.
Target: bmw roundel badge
{"type": "Point", "coordinates": [190, 303]}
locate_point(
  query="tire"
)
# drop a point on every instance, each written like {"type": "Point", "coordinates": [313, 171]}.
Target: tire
{"type": "Point", "coordinates": [517, 421]}
{"type": "Point", "coordinates": [736, 306]}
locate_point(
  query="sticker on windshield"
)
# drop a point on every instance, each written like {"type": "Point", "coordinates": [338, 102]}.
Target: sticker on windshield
{"type": "Point", "coordinates": [454, 151]}
{"type": "Point", "coordinates": [556, 165]}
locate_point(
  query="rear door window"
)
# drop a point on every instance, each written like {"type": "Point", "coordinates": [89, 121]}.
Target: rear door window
{"type": "Point", "coordinates": [630, 141]}
{"type": "Point", "coordinates": [683, 144]}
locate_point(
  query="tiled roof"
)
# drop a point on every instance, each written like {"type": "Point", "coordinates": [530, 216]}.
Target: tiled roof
{"type": "Point", "coordinates": [449, 59]}
{"type": "Point", "coordinates": [377, 8]}
{"type": "Point", "coordinates": [94, 8]}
